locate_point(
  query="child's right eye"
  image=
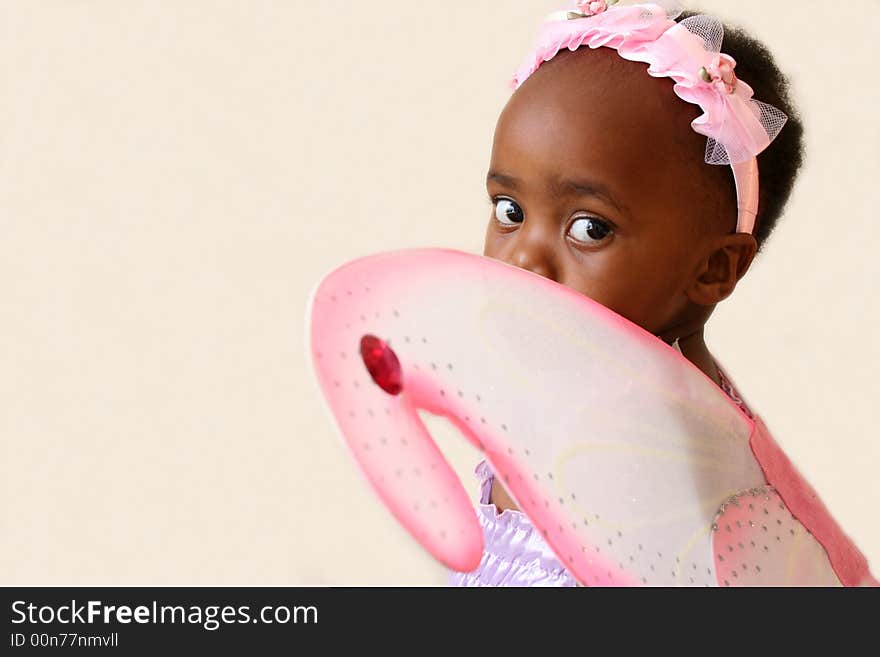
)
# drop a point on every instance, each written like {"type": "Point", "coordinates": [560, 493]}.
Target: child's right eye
{"type": "Point", "coordinates": [507, 212]}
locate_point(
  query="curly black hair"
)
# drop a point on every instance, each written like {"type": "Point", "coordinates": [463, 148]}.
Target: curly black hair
{"type": "Point", "coordinates": [780, 163]}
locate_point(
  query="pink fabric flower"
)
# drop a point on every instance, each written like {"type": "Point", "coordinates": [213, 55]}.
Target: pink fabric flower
{"type": "Point", "coordinates": [592, 7]}
{"type": "Point", "coordinates": [721, 72]}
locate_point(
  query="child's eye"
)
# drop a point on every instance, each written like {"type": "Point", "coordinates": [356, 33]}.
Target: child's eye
{"type": "Point", "coordinates": [589, 230]}
{"type": "Point", "coordinates": [507, 212]}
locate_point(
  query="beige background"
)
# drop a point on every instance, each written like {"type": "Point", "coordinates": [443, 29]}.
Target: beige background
{"type": "Point", "coordinates": [175, 176]}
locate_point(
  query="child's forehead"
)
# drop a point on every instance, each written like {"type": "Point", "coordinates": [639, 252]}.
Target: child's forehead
{"type": "Point", "coordinates": [589, 97]}
{"type": "Point", "coordinates": [591, 114]}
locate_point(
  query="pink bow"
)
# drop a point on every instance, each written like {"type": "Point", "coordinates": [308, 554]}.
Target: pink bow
{"type": "Point", "coordinates": [720, 73]}
{"type": "Point", "coordinates": [591, 8]}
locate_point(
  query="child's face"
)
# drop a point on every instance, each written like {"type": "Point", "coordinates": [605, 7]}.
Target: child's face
{"type": "Point", "coordinates": [598, 183]}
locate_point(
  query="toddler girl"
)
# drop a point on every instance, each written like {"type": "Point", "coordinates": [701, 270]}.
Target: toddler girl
{"type": "Point", "coordinates": [599, 180]}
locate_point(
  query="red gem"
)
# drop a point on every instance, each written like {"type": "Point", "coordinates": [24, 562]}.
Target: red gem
{"type": "Point", "coordinates": [382, 364]}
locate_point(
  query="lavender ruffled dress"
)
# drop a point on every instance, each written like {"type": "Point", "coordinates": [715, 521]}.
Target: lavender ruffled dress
{"type": "Point", "coordinates": [514, 554]}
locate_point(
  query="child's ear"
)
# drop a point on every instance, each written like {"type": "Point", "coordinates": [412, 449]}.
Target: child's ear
{"type": "Point", "coordinates": [726, 262]}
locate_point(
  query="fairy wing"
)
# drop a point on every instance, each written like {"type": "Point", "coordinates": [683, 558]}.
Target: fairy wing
{"type": "Point", "coordinates": [758, 542]}
{"type": "Point", "coordinates": [620, 451]}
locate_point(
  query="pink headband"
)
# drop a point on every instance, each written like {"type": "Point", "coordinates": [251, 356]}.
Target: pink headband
{"type": "Point", "coordinates": [689, 52]}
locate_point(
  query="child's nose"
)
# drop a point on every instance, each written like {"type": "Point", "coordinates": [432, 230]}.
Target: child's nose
{"type": "Point", "coordinates": [535, 248]}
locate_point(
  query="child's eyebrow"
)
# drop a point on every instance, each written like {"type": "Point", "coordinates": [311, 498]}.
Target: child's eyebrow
{"type": "Point", "coordinates": [503, 179]}
{"type": "Point", "coordinates": [564, 188]}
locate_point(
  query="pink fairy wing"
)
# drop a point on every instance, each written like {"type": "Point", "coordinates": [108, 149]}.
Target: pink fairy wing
{"type": "Point", "coordinates": [758, 542]}
{"type": "Point", "coordinates": [619, 450]}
